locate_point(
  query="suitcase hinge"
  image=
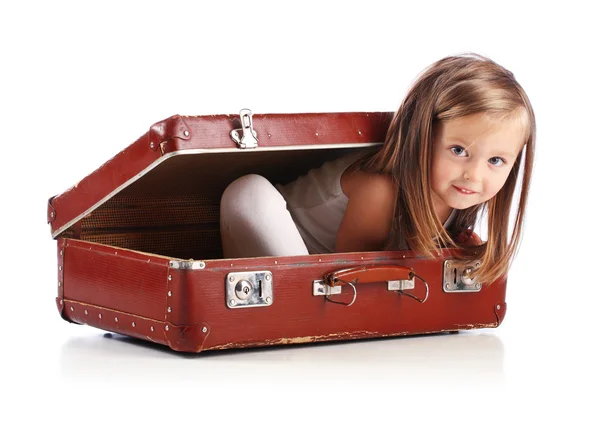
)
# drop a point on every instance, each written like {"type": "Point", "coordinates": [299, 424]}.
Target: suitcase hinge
{"type": "Point", "coordinates": [245, 137]}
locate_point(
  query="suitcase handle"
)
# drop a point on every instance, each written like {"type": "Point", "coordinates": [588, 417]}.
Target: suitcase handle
{"type": "Point", "coordinates": [368, 274]}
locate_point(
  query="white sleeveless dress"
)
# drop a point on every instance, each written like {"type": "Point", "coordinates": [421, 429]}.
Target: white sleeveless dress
{"type": "Point", "coordinates": [317, 203]}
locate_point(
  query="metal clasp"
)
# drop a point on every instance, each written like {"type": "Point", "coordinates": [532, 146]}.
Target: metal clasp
{"type": "Point", "coordinates": [249, 289]}
{"type": "Point", "coordinates": [458, 278]}
{"type": "Point", "coordinates": [249, 138]}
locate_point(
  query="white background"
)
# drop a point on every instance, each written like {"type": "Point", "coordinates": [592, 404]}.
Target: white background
{"type": "Point", "coordinates": [82, 80]}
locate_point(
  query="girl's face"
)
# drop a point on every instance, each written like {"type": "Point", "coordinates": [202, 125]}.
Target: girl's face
{"type": "Point", "coordinates": [472, 157]}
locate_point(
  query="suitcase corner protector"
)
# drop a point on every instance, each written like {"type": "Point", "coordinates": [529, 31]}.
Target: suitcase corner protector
{"type": "Point", "coordinates": [500, 311]}
{"type": "Point", "coordinates": [187, 338]}
{"type": "Point", "coordinates": [60, 304]}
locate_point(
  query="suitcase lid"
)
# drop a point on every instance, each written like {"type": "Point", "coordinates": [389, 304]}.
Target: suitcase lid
{"type": "Point", "coordinates": [267, 136]}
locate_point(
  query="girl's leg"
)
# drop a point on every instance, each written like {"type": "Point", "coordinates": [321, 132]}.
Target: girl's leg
{"type": "Point", "coordinates": [255, 221]}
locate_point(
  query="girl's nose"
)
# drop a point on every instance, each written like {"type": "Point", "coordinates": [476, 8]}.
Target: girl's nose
{"type": "Point", "coordinates": [473, 172]}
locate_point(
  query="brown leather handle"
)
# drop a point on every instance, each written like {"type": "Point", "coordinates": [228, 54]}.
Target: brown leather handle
{"type": "Point", "coordinates": [366, 274]}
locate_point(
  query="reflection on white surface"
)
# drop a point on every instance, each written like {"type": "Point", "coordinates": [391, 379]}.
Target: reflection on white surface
{"type": "Point", "coordinates": [465, 357]}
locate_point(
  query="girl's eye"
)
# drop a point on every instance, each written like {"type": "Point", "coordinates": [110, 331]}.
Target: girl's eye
{"type": "Point", "coordinates": [496, 161]}
{"type": "Point", "coordinates": [459, 151]}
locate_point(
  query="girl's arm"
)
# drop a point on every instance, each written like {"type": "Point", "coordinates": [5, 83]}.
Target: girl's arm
{"type": "Point", "coordinates": [368, 218]}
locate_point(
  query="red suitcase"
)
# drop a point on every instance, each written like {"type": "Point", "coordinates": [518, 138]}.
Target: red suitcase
{"type": "Point", "coordinates": [139, 249]}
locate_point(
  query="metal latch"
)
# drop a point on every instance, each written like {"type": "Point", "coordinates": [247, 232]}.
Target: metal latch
{"type": "Point", "coordinates": [249, 289]}
{"type": "Point", "coordinates": [245, 137]}
{"type": "Point", "coordinates": [458, 277]}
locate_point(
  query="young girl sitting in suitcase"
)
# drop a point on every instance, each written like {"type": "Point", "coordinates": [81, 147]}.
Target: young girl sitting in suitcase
{"type": "Point", "coordinates": [453, 149]}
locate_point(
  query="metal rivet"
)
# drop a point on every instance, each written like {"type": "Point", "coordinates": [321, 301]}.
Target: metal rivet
{"type": "Point", "coordinates": [359, 132]}
{"type": "Point", "coordinates": [116, 319]}
{"type": "Point", "coordinates": [86, 312]}
{"type": "Point", "coordinates": [317, 134]}
{"type": "Point", "coordinates": [447, 285]}
{"type": "Point", "coordinates": [169, 309]}
{"type": "Point", "coordinates": [152, 145]}
{"type": "Point", "coordinates": [60, 268]}
{"type": "Point", "coordinates": [268, 277]}
{"type": "Point", "coordinates": [269, 135]}
{"type": "Point", "coordinates": [72, 309]}
{"type": "Point", "coordinates": [276, 262]}
{"type": "Point", "coordinates": [51, 214]}
{"type": "Point", "coordinates": [268, 300]}
{"type": "Point", "coordinates": [204, 329]}
{"type": "Point", "coordinates": [169, 294]}
{"type": "Point", "coordinates": [132, 324]}
{"type": "Point", "coordinates": [319, 260]}
{"type": "Point", "coordinates": [61, 252]}
{"type": "Point", "coordinates": [170, 277]}
{"type": "Point", "coordinates": [362, 258]}
{"type": "Point", "coordinates": [498, 307]}
{"type": "Point", "coordinates": [186, 133]}
{"type": "Point", "coordinates": [100, 316]}
{"type": "Point", "coordinates": [202, 264]}
{"type": "Point", "coordinates": [231, 278]}
{"type": "Point", "coordinates": [171, 264]}
{"type": "Point", "coordinates": [232, 302]}
{"type": "Point", "coordinates": [152, 328]}
{"type": "Point", "coordinates": [167, 328]}
{"type": "Point", "coordinates": [61, 302]}
{"type": "Point", "coordinates": [59, 283]}
{"type": "Point", "coordinates": [447, 264]}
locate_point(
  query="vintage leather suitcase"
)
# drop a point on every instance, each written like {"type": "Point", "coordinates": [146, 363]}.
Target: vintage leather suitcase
{"type": "Point", "coordinates": [139, 249]}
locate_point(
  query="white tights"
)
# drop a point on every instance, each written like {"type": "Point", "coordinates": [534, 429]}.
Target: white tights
{"type": "Point", "coordinates": [255, 221]}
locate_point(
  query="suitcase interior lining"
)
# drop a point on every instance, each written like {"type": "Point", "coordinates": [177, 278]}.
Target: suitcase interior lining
{"type": "Point", "coordinates": [173, 210]}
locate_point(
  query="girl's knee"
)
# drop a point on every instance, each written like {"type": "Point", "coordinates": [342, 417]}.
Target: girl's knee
{"type": "Point", "coordinates": [247, 187]}
{"type": "Point", "coordinates": [247, 195]}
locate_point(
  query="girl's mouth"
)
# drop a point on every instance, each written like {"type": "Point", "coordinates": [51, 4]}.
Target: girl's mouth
{"type": "Point", "coordinates": [463, 190]}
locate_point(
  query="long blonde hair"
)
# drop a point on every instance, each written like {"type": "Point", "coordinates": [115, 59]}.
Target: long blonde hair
{"type": "Point", "coordinates": [455, 87]}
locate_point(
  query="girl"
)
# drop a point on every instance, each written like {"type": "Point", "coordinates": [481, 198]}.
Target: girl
{"type": "Point", "coordinates": [453, 149]}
